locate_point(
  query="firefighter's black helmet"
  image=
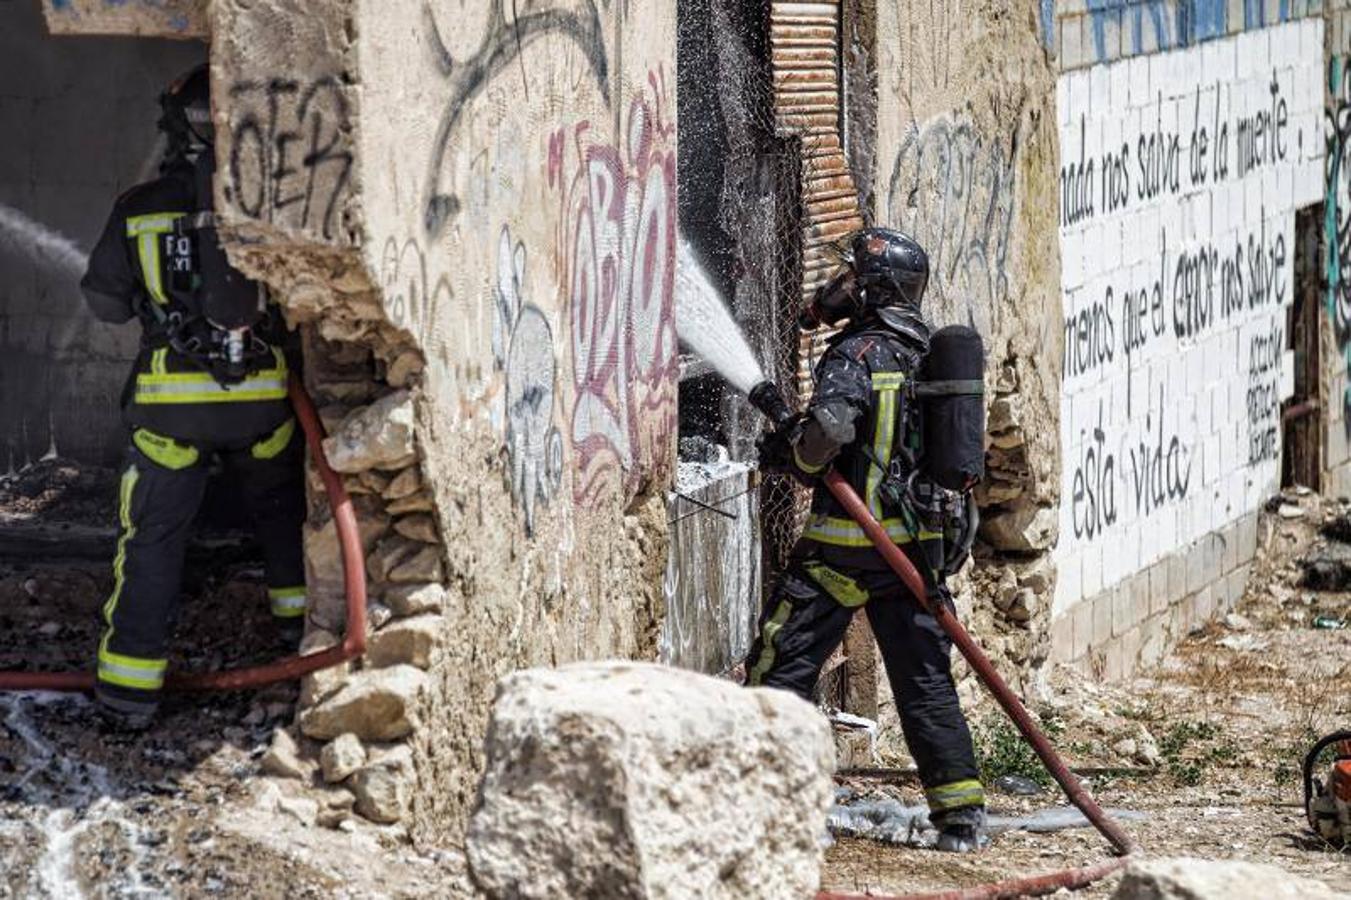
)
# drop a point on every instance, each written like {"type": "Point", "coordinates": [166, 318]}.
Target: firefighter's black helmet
{"type": "Point", "coordinates": [186, 112]}
{"type": "Point", "coordinates": [892, 267]}
{"type": "Point", "coordinates": [879, 268]}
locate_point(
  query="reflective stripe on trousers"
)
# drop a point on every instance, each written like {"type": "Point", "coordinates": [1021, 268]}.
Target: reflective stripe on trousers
{"type": "Point", "coordinates": [287, 603]}
{"type": "Point", "coordinates": [117, 668]}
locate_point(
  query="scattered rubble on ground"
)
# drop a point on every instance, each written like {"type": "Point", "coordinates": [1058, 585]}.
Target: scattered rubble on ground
{"type": "Point", "coordinates": [1200, 879]}
{"type": "Point", "coordinates": [225, 797]}
{"type": "Point", "coordinates": [1230, 715]}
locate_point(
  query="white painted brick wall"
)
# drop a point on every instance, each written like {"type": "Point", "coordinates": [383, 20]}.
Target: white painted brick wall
{"type": "Point", "coordinates": [1190, 420]}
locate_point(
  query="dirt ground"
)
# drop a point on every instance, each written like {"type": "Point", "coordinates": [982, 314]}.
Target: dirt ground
{"type": "Point", "coordinates": [184, 810]}
{"type": "Point", "coordinates": [1233, 712]}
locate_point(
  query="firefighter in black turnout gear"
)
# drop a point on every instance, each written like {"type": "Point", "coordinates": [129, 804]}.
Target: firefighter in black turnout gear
{"type": "Point", "coordinates": [862, 420]}
{"type": "Point", "coordinates": [210, 380]}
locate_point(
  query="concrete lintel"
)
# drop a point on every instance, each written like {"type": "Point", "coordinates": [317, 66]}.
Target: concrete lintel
{"type": "Point", "coordinates": [178, 19]}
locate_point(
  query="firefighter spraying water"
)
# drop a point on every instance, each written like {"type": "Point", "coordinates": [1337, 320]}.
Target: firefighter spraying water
{"type": "Point", "coordinates": [892, 442]}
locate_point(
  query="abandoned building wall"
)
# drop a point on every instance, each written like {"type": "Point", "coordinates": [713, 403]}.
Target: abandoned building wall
{"type": "Point", "coordinates": [1335, 391]}
{"type": "Point", "coordinates": [474, 210]}
{"type": "Point", "coordinates": [522, 220]}
{"type": "Point", "coordinates": [178, 19]}
{"type": "Point", "coordinates": [1189, 138]}
{"type": "Point", "coordinates": [965, 157]}
{"type": "Point", "coordinates": [83, 112]}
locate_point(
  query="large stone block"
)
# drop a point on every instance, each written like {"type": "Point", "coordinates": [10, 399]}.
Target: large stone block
{"type": "Point", "coordinates": [634, 780]}
{"type": "Point", "coordinates": [379, 436]}
{"type": "Point", "coordinates": [1181, 878]}
{"type": "Point", "coordinates": [375, 705]}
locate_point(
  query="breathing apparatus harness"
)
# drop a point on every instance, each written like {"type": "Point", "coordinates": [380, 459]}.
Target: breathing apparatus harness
{"type": "Point", "coordinates": [213, 311]}
{"type": "Point", "coordinates": [928, 482]}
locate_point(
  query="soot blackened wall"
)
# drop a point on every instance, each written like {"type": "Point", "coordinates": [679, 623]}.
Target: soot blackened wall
{"type": "Point", "coordinates": [78, 115]}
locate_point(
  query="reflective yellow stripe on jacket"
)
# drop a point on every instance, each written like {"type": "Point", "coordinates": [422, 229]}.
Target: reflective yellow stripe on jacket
{"type": "Point", "coordinates": [147, 231]}
{"type": "Point", "coordinates": [158, 387]}
{"type": "Point", "coordinates": [846, 532]}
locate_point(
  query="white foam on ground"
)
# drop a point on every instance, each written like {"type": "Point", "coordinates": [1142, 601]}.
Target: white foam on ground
{"type": "Point", "coordinates": [78, 796]}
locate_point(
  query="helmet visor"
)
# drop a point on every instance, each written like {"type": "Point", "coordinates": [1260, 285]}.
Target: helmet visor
{"type": "Point", "coordinates": [200, 123]}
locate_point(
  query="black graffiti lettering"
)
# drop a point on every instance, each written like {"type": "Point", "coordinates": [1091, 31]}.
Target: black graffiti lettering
{"type": "Point", "coordinates": [1159, 157]}
{"type": "Point", "coordinates": [1194, 292]}
{"type": "Point", "coordinates": [1116, 179]}
{"type": "Point", "coordinates": [1266, 266]}
{"type": "Point", "coordinates": [1231, 283]}
{"type": "Point", "coordinates": [320, 155]}
{"type": "Point", "coordinates": [1265, 352]}
{"type": "Point", "coordinates": [1261, 136]}
{"type": "Point", "coordinates": [1160, 469]}
{"type": "Point", "coordinates": [1076, 185]}
{"type": "Point", "coordinates": [263, 172]}
{"type": "Point", "coordinates": [1090, 337]}
{"type": "Point", "coordinates": [1337, 177]}
{"type": "Point", "coordinates": [955, 192]}
{"type": "Point", "coordinates": [248, 166]}
{"type": "Point", "coordinates": [1093, 503]}
{"type": "Point", "coordinates": [1135, 318]}
{"type": "Point", "coordinates": [1200, 144]}
{"type": "Point", "coordinates": [505, 38]}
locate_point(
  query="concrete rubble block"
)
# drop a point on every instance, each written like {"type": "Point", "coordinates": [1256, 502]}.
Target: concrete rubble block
{"type": "Point", "coordinates": [405, 367]}
{"type": "Point", "coordinates": [418, 527]}
{"type": "Point", "coordinates": [635, 780]}
{"type": "Point", "coordinates": [381, 791]}
{"type": "Point", "coordinates": [406, 642]}
{"type": "Point", "coordinates": [341, 757]}
{"type": "Point", "coordinates": [324, 683]}
{"type": "Point", "coordinates": [414, 503]}
{"type": "Point", "coordinates": [425, 565]}
{"type": "Point", "coordinates": [405, 484]}
{"type": "Point", "coordinates": [374, 705]}
{"type": "Point", "coordinates": [1023, 528]}
{"type": "Point", "coordinates": [282, 758]}
{"type": "Point", "coordinates": [379, 436]}
{"type": "Point", "coordinates": [377, 616]}
{"type": "Point", "coordinates": [415, 599]}
{"type": "Point", "coordinates": [389, 554]}
{"type": "Point", "coordinates": [323, 553]}
{"type": "Point", "coordinates": [1184, 878]}
{"type": "Point", "coordinates": [302, 809]}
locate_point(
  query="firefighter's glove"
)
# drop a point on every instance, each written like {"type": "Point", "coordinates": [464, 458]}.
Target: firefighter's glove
{"type": "Point", "coordinates": [775, 449]}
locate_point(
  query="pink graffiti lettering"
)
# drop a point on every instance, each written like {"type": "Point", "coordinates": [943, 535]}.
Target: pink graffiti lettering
{"type": "Point", "coordinates": [619, 241]}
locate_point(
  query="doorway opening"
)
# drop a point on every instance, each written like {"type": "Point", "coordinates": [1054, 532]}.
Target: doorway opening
{"type": "Point", "coordinates": [1302, 415]}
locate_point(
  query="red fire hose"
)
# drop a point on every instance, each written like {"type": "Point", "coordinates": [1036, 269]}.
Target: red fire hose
{"type": "Point", "coordinates": [354, 580]}
{"type": "Point", "coordinates": [980, 664]}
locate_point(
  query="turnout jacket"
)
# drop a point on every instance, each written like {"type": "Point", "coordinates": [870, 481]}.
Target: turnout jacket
{"type": "Point", "coordinates": [147, 265]}
{"type": "Point", "coordinates": [860, 418]}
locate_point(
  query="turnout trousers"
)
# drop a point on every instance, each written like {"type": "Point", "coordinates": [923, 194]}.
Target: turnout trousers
{"type": "Point", "coordinates": [160, 492]}
{"type": "Point", "coordinates": [805, 620]}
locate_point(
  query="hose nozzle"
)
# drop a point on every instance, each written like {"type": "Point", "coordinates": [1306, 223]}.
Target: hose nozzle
{"type": "Point", "coordinates": [767, 398]}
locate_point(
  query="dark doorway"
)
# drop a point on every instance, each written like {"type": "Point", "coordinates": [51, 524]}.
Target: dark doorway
{"type": "Point", "coordinates": [1302, 414]}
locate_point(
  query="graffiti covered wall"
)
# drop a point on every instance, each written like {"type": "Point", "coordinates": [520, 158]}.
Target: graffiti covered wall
{"type": "Point", "coordinates": [966, 160]}
{"type": "Point", "coordinates": [1336, 243]}
{"type": "Point", "coordinates": [1180, 176]}
{"type": "Point", "coordinates": [521, 225]}
{"type": "Point", "coordinates": [482, 196]}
